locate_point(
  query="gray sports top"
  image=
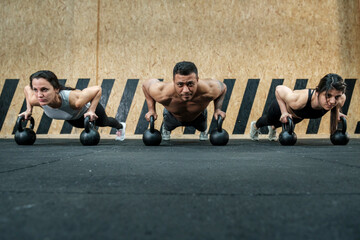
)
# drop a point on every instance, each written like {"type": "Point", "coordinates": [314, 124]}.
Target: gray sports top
{"type": "Point", "coordinates": [65, 112]}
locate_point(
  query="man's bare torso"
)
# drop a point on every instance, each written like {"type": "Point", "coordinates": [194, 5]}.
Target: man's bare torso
{"type": "Point", "coordinates": [186, 111]}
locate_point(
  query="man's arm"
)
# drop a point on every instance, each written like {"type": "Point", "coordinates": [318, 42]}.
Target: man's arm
{"type": "Point", "coordinates": [218, 102]}
{"type": "Point", "coordinates": [148, 89]}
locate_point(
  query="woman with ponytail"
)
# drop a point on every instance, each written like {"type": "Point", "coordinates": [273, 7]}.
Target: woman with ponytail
{"type": "Point", "coordinates": [69, 104]}
{"type": "Point", "coordinates": [301, 104]}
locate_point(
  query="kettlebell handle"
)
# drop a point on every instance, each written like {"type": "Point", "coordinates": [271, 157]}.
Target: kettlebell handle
{"type": "Point", "coordinates": [291, 126]}
{"type": "Point", "coordinates": [344, 124]}
{"type": "Point", "coordinates": [152, 124]}
{"type": "Point", "coordinates": [21, 119]}
{"type": "Point", "coordinates": [219, 123]}
{"type": "Point", "coordinates": [19, 123]}
{"type": "Point", "coordinates": [88, 124]}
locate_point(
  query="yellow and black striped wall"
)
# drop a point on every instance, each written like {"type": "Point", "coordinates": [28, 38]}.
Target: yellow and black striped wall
{"type": "Point", "coordinates": [252, 46]}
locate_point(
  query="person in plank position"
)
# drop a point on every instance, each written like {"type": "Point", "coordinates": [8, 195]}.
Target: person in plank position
{"type": "Point", "coordinates": [65, 103]}
{"type": "Point", "coordinates": [185, 99]}
{"type": "Point", "coordinates": [301, 104]}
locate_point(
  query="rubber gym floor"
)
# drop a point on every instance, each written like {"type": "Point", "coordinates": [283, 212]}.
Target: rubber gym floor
{"type": "Point", "coordinates": [182, 189]}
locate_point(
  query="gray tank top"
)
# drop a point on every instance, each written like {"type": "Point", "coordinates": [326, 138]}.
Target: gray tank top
{"type": "Point", "coordinates": [65, 112]}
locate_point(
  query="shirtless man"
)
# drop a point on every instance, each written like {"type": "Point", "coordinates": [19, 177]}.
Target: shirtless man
{"type": "Point", "coordinates": [185, 99]}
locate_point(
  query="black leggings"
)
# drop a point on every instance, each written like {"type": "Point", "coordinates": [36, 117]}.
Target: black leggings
{"type": "Point", "coordinates": [272, 117]}
{"type": "Point", "coordinates": [102, 121]}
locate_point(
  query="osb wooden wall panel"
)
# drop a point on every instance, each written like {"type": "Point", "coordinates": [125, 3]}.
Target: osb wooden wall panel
{"type": "Point", "coordinates": [121, 40]}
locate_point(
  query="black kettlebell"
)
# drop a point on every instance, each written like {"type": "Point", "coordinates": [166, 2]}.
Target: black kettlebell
{"type": "Point", "coordinates": [25, 136]}
{"type": "Point", "coordinates": [152, 137]}
{"type": "Point", "coordinates": [90, 136]}
{"type": "Point", "coordinates": [219, 136]}
{"type": "Point", "coordinates": [287, 135]}
{"type": "Point", "coordinates": [340, 137]}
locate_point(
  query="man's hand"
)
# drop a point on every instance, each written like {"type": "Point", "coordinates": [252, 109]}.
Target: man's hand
{"type": "Point", "coordinates": [149, 114]}
{"type": "Point", "coordinates": [219, 112]}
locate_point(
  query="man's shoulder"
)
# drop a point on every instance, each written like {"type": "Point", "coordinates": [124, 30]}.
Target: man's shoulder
{"type": "Point", "coordinates": [162, 91]}
{"type": "Point", "coordinates": [160, 86]}
{"type": "Point", "coordinates": [208, 80]}
{"type": "Point", "coordinates": [210, 87]}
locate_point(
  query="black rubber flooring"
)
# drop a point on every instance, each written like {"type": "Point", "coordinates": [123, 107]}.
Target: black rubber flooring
{"type": "Point", "coordinates": [184, 189]}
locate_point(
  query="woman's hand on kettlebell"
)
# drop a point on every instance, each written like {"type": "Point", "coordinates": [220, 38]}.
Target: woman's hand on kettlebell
{"type": "Point", "coordinates": [25, 114]}
{"type": "Point", "coordinates": [284, 117]}
{"type": "Point", "coordinates": [219, 112]}
{"type": "Point", "coordinates": [149, 114]}
{"type": "Point", "coordinates": [92, 115]}
{"type": "Point", "coordinates": [341, 115]}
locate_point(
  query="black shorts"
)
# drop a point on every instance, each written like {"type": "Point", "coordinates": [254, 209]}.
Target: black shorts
{"type": "Point", "coordinates": [170, 122]}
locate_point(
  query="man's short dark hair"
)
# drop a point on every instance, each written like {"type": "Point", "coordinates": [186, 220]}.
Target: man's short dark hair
{"type": "Point", "coordinates": [185, 68]}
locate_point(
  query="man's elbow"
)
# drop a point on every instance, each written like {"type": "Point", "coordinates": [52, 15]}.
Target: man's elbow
{"type": "Point", "coordinates": [147, 83]}
{"type": "Point", "coordinates": [98, 89]}
{"type": "Point", "coordinates": [278, 88]}
{"type": "Point", "coordinates": [225, 88]}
